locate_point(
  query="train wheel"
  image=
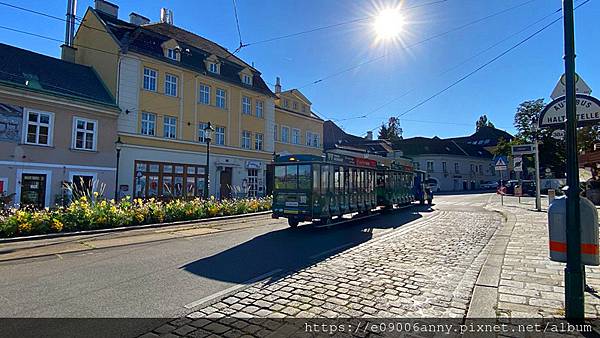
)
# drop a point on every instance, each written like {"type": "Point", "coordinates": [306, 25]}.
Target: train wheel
{"type": "Point", "coordinates": [325, 220]}
{"type": "Point", "coordinates": [292, 222]}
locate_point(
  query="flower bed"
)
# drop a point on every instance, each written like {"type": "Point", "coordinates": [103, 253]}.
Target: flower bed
{"type": "Point", "coordinates": [85, 214]}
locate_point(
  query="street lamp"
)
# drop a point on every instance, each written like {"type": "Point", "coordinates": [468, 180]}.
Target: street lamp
{"type": "Point", "coordinates": [118, 145]}
{"type": "Point", "coordinates": [207, 137]}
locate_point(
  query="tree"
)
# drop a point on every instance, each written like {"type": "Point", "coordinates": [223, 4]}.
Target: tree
{"type": "Point", "coordinates": [392, 131]}
{"type": "Point", "coordinates": [483, 122]}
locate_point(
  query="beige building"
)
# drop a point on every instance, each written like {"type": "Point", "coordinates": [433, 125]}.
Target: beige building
{"type": "Point", "coordinates": [170, 83]}
{"type": "Point", "coordinates": [57, 125]}
{"type": "Point", "coordinates": [297, 130]}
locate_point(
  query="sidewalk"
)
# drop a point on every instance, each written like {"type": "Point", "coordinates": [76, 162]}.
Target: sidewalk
{"type": "Point", "coordinates": [520, 274]}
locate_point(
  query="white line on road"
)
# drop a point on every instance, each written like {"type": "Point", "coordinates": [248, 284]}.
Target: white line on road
{"type": "Point", "coordinates": [231, 289]}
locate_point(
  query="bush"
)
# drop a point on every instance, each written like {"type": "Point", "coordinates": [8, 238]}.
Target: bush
{"type": "Point", "coordinates": [88, 214]}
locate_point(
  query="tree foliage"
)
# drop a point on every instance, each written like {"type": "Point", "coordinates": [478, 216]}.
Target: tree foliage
{"type": "Point", "coordinates": [483, 122]}
{"type": "Point", "coordinates": [391, 131]}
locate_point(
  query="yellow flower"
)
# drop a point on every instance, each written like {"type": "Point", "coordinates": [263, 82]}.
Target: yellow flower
{"type": "Point", "coordinates": [24, 227]}
{"type": "Point", "coordinates": [95, 194]}
{"type": "Point", "coordinates": [56, 225]}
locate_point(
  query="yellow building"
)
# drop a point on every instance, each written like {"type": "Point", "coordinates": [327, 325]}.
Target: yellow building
{"type": "Point", "coordinates": [169, 83]}
{"type": "Point", "coordinates": [297, 129]}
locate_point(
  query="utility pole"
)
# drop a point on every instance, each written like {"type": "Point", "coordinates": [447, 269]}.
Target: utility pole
{"type": "Point", "coordinates": [574, 271]}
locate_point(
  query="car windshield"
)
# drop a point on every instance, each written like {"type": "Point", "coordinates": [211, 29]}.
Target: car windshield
{"type": "Point", "coordinates": [292, 177]}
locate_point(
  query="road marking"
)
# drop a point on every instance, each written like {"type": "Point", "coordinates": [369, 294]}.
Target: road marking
{"type": "Point", "coordinates": [231, 289]}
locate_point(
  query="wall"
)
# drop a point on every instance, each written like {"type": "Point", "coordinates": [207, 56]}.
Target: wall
{"type": "Point", "coordinates": [304, 123]}
{"type": "Point", "coordinates": [59, 159]}
{"type": "Point", "coordinates": [452, 181]}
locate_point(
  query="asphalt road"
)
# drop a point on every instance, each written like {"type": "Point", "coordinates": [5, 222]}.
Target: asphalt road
{"type": "Point", "coordinates": [158, 279]}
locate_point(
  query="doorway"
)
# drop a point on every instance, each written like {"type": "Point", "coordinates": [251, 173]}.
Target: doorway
{"type": "Point", "coordinates": [33, 190]}
{"type": "Point", "coordinates": [225, 181]}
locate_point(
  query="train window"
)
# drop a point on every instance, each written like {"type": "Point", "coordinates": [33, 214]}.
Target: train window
{"type": "Point", "coordinates": [279, 177]}
{"type": "Point", "coordinates": [317, 178]}
{"type": "Point", "coordinates": [380, 181]}
{"type": "Point", "coordinates": [336, 180]}
{"type": "Point", "coordinates": [291, 177]}
{"type": "Point", "coordinates": [304, 177]}
{"type": "Point", "coordinates": [325, 179]}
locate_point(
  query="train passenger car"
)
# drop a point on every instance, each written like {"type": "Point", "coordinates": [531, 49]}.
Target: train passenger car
{"type": "Point", "coordinates": [308, 187]}
{"type": "Point", "coordinates": [395, 183]}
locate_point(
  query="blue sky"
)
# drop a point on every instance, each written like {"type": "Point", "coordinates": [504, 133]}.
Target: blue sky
{"type": "Point", "coordinates": [529, 72]}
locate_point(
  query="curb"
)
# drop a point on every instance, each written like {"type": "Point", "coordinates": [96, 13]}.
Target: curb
{"type": "Point", "coordinates": [123, 229]}
{"type": "Point", "coordinates": [485, 293]}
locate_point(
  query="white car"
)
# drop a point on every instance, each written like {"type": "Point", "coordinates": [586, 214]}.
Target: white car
{"type": "Point", "coordinates": [489, 185]}
{"type": "Point", "coordinates": [432, 184]}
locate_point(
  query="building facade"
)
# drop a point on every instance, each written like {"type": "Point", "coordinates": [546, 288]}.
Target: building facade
{"type": "Point", "coordinates": [454, 166]}
{"type": "Point", "coordinates": [169, 84]}
{"type": "Point", "coordinates": [297, 129]}
{"type": "Point", "coordinates": [57, 128]}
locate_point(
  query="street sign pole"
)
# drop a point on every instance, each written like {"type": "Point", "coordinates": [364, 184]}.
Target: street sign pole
{"type": "Point", "coordinates": [574, 272]}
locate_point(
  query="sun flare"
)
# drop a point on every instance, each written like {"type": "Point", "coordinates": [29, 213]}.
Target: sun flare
{"type": "Point", "coordinates": [388, 24]}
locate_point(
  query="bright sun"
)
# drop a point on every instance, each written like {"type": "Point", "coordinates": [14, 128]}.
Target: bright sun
{"type": "Point", "coordinates": [388, 24]}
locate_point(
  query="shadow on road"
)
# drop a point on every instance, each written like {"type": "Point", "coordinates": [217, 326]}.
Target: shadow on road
{"type": "Point", "coordinates": [292, 249]}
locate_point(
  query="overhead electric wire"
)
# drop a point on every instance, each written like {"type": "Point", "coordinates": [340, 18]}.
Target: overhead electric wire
{"type": "Point", "coordinates": [515, 46]}
{"type": "Point", "coordinates": [343, 23]}
{"type": "Point", "coordinates": [463, 26]}
{"type": "Point", "coordinates": [455, 66]}
{"type": "Point", "coordinates": [237, 24]}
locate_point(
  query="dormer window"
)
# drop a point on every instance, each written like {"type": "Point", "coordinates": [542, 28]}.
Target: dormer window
{"type": "Point", "coordinates": [247, 79]}
{"type": "Point", "coordinates": [213, 67]}
{"type": "Point", "coordinates": [172, 54]}
{"type": "Point", "coordinates": [286, 103]}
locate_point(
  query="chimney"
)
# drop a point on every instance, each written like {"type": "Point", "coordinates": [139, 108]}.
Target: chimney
{"type": "Point", "coordinates": [278, 86]}
{"type": "Point", "coordinates": [107, 8]}
{"type": "Point", "coordinates": [369, 135]}
{"type": "Point", "coordinates": [67, 50]}
{"type": "Point", "coordinates": [166, 16]}
{"type": "Point", "coordinates": [137, 19]}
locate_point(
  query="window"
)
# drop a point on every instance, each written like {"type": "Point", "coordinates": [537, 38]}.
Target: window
{"type": "Point", "coordinates": [430, 166]}
{"type": "Point", "coordinates": [259, 108]}
{"type": "Point", "coordinates": [213, 68]}
{"type": "Point", "coordinates": [481, 169]}
{"type": "Point", "coordinates": [247, 80]}
{"type": "Point", "coordinates": [150, 79]}
{"type": "Point", "coordinates": [39, 128]}
{"type": "Point", "coordinates": [304, 108]}
{"type": "Point", "coordinates": [252, 182]}
{"type": "Point", "coordinates": [148, 124]}
{"type": "Point", "coordinates": [417, 165]}
{"type": "Point", "coordinates": [246, 139]}
{"type": "Point", "coordinates": [258, 141]}
{"type": "Point", "coordinates": [296, 136]}
{"type": "Point", "coordinates": [309, 138]}
{"type": "Point", "coordinates": [170, 85]}
{"type": "Point", "coordinates": [472, 168]}
{"type": "Point", "coordinates": [246, 105]}
{"type": "Point", "coordinates": [456, 168]}
{"type": "Point", "coordinates": [316, 140]}
{"type": "Point", "coordinates": [275, 132]}
{"type": "Point", "coordinates": [84, 134]}
{"type": "Point", "coordinates": [170, 127]}
{"type": "Point", "coordinates": [295, 105]}
{"type": "Point", "coordinates": [172, 54]}
{"type": "Point", "coordinates": [204, 95]}
{"type": "Point", "coordinates": [286, 103]}
{"type": "Point", "coordinates": [444, 166]}
{"type": "Point", "coordinates": [168, 179]}
{"type": "Point", "coordinates": [285, 134]}
{"type": "Point", "coordinates": [221, 98]}
{"type": "Point", "coordinates": [220, 135]}
{"type": "Point", "coordinates": [201, 127]}
{"type": "Point", "coordinates": [312, 139]}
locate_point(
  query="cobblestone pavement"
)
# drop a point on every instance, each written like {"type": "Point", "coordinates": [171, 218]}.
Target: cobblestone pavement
{"type": "Point", "coordinates": [531, 285]}
{"type": "Point", "coordinates": [425, 269]}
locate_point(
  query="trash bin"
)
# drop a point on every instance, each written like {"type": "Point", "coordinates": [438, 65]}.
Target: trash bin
{"type": "Point", "coordinates": [557, 230]}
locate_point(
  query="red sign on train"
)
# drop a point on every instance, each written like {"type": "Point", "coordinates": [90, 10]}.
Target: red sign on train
{"type": "Point", "coordinates": [365, 162]}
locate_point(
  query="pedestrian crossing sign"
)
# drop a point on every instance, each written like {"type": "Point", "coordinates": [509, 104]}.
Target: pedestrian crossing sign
{"type": "Point", "coordinates": [501, 164]}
